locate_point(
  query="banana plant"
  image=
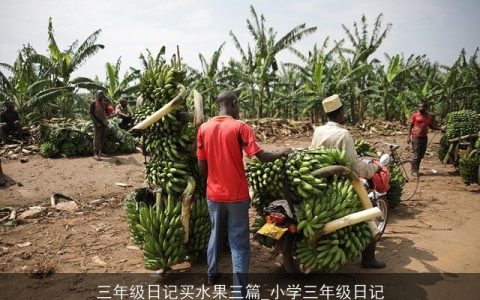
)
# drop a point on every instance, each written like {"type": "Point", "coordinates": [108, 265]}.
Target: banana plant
{"type": "Point", "coordinates": [363, 47]}
{"type": "Point", "coordinates": [61, 64]}
{"type": "Point", "coordinates": [114, 86]}
{"type": "Point", "coordinates": [210, 78]}
{"type": "Point", "coordinates": [29, 88]}
{"type": "Point", "coordinates": [267, 46]}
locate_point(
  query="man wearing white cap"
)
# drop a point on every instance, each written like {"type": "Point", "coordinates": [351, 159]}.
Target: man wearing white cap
{"type": "Point", "coordinates": [334, 135]}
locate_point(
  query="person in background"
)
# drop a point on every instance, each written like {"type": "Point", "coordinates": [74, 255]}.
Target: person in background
{"type": "Point", "coordinates": [334, 135]}
{"type": "Point", "coordinates": [418, 125]}
{"type": "Point", "coordinates": [98, 114]}
{"type": "Point", "coordinates": [124, 113]}
{"type": "Point", "coordinates": [220, 142]}
{"type": "Point", "coordinates": [9, 121]}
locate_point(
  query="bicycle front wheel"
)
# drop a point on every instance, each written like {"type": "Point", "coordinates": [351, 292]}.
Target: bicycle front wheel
{"type": "Point", "coordinates": [411, 182]}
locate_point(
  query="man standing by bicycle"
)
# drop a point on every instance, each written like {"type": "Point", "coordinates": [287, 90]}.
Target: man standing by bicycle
{"type": "Point", "coordinates": [334, 135]}
{"type": "Point", "coordinates": [418, 125]}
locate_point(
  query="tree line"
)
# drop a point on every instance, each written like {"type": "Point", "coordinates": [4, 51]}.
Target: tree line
{"type": "Point", "coordinates": [42, 85]}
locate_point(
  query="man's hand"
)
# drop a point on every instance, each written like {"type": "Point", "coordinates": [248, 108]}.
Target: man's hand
{"type": "Point", "coordinates": [443, 128]}
{"type": "Point", "coordinates": [285, 151]}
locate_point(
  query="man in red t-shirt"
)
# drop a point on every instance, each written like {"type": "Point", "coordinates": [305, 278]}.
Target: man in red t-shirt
{"type": "Point", "coordinates": [417, 134]}
{"type": "Point", "coordinates": [220, 142]}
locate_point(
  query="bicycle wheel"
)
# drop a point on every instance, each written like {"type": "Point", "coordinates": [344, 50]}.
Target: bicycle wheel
{"type": "Point", "coordinates": [411, 182]}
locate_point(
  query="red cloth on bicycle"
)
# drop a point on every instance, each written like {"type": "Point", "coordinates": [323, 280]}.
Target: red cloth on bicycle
{"type": "Point", "coordinates": [220, 142]}
{"type": "Point", "coordinates": [420, 123]}
{"type": "Point", "coordinates": [381, 179]}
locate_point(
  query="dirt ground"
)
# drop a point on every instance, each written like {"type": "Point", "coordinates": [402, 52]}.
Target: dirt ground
{"type": "Point", "coordinates": [435, 232]}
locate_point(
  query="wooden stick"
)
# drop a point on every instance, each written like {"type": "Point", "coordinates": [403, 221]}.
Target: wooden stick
{"type": "Point", "coordinates": [463, 137]}
{"type": "Point", "coordinates": [449, 152]}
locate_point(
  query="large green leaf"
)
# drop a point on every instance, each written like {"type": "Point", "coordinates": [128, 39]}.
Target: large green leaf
{"type": "Point", "coordinates": [394, 68]}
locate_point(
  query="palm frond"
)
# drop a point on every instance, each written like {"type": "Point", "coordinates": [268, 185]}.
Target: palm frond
{"type": "Point", "coordinates": [39, 84]}
{"type": "Point", "coordinates": [237, 45]}
{"type": "Point", "coordinates": [293, 36]}
{"type": "Point", "coordinates": [82, 55]}
{"type": "Point", "coordinates": [53, 47]}
{"type": "Point", "coordinates": [349, 35]}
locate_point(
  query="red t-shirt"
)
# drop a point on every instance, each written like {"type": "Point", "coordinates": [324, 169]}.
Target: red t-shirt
{"type": "Point", "coordinates": [220, 142]}
{"type": "Point", "coordinates": [420, 124]}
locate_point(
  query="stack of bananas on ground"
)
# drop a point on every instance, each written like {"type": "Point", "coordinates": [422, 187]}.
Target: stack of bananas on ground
{"type": "Point", "coordinates": [75, 137]}
{"type": "Point", "coordinates": [317, 202]}
{"type": "Point", "coordinates": [397, 181]}
{"type": "Point", "coordinates": [469, 167]}
{"type": "Point", "coordinates": [179, 221]}
{"type": "Point", "coordinates": [459, 123]}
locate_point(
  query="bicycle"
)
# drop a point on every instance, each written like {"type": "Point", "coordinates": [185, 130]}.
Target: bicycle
{"type": "Point", "coordinates": [405, 166]}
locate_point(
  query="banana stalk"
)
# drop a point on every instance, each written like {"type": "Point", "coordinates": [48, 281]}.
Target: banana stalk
{"type": "Point", "coordinates": [162, 112]}
{"type": "Point", "coordinates": [187, 202]}
{"type": "Point", "coordinates": [347, 172]}
{"type": "Point", "coordinates": [348, 220]}
{"type": "Point", "coordinates": [198, 104]}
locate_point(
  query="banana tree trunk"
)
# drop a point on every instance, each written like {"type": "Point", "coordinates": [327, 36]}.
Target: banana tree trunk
{"type": "Point", "coordinates": [260, 103]}
{"type": "Point", "coordinates": [253, 107]}
{"type": "Point", "coordinates": [385, 106]}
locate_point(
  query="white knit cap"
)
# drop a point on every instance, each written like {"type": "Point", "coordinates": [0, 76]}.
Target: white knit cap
{"type": "Point", "coordinates": [331, 103]}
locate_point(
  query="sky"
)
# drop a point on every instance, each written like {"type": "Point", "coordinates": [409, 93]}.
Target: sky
{"type": "Point", "coordinates": [438, 28]}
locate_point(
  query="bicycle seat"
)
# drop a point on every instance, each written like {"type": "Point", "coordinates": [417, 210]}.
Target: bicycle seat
{"type": "Point", "coordinates": [392, 146]}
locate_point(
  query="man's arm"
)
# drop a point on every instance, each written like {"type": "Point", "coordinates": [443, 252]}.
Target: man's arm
{"type": "Point", "coordinates": [203, 168]}
{"type": "Point", "coordinates": [409, 132]}
{"type": "Point", "coordinates": [360, 167]}
{"type": "Point", "coordinates": [433, 124]}
{"type": "Point", "coordinates": [265, 156]}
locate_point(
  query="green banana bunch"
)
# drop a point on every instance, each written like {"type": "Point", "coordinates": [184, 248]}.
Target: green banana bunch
{"type": "Point", "coordinates": [268, 178]}
{"type": "Point", "coordinates": [200, 227]}
{"type": "Point", "coordinates": [178, 226]}
{"type": "Point", "coordinates": [300, 165]}
{"type": "Point", "coordinates": [397, 182]}
{"type": "Point", "coordinates": [334, 249]}
{"type": "Point", "coordinates": [162, 234]}
{"type": "Point", "coordinates": [364, 148]}
{"type": "Point", "coordinates": [468, 167]}
{"type": "Point", "coordinates": [76, 137]}
{"type": "Point", "coordinates": [338, 200]}
{"type": "Point", "coordinates": [460, 123]}
{"type": "Point", "coordinates": [158, 85]}
{"type": "Point", "coordinates": [132, 206]}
